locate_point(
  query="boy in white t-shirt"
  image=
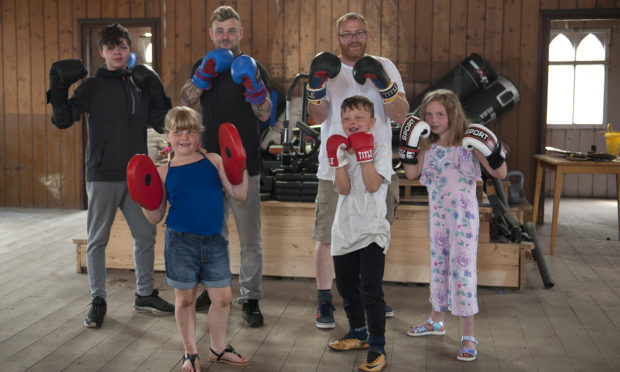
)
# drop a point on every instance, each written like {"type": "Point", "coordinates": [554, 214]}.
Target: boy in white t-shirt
{"type": "Point", "coordinates": [361, 231]}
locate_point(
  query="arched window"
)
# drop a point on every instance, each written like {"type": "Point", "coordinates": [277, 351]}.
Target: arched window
{"type": "Point", "coordinates": [577, 77]}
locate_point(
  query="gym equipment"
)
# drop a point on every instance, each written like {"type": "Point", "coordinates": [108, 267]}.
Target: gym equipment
{"type": "Point", "coordinates": [516, 195]}
{"type": "Point", "coordinates": [487, 104]}
{"type": "Point", "coordinates": [510, 228]}
{"type": "Point", "coordinates": [466, 78]}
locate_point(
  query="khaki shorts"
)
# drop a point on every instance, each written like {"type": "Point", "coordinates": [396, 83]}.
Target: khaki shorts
{"type": "Point", "coordinates": [327, 200]}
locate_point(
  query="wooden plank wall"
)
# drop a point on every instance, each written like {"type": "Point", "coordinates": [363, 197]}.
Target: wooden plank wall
{"type": "Point", "coordinates": [43, 166]}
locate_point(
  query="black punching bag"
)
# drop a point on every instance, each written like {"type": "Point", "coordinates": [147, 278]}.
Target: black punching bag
{"type": "Point", "coordinates": [466, 78]}
{"type": "Point", "coordinates": [487, 104]}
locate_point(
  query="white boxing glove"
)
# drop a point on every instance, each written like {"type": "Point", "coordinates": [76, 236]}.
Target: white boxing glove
{"type": "Point", "coordinates": [481, 138]}
{"type": "Point", "coordinates": [411, 131]}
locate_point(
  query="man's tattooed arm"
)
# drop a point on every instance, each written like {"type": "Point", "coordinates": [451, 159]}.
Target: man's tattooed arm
{"type": "Point", "coordinates": [190, 94]}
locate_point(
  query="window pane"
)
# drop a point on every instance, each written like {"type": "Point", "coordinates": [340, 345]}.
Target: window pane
{"type": "Point", "coordinates": [560, 95]}
{"type": "Point", "coordinates": [561, 49]}
{"type": "Point", "coordinates": [589, 88]}
{"type": "Point", "coordinates": [590, 49]}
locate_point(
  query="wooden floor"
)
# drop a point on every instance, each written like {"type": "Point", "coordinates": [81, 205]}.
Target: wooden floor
{"type": "Point", "coordinates": [573, 327]}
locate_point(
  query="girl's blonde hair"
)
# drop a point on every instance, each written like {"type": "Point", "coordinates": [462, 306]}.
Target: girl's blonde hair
{"type": "Point", "coordinates": [183, 118]}
{"type": "Point", "coordinates": [457, 121]}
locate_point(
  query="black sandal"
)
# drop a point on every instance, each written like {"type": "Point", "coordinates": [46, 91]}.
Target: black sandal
{"type": "Point", "coordinates": [192, 359]}
{"type": "Point", "coordinates": [231, 350]}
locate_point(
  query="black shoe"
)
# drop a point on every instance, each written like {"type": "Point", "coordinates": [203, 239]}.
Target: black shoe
{"type": "Point", "coordinates": [203, 302]}
{"type": "Point", "coordinates": [153, 304]}
{"type": "Point", "coordinates": [94, 318]}
{"type": "Point", "coordinates": [251, 314]}
{"type": "Point", "coordinates": [325, 315]}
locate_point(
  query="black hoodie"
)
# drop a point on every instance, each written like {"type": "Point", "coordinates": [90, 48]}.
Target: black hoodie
{"type": "Point", "coordinates": [116, 117]}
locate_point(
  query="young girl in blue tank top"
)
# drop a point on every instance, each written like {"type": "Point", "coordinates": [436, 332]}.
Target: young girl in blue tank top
{"type": "Point", "coordinates": [195, 251]}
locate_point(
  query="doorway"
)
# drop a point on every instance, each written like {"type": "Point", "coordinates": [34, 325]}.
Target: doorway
{"type": "Point", "coordinates": [145, 37]}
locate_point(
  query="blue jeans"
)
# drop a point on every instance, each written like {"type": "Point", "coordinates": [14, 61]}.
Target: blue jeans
{"type": "Point", "coordinates": [192, 259]}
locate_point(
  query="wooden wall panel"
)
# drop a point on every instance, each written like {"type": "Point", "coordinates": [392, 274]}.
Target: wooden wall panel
{"type": "Point", "coordinates": [53, 172]}
{"type": "Point", "coordinates": [39, 124]}
{"type": "Point", "coordinates": [422, 45]}
{"type": "Point", "coordinates": [24, 93]}
{"type": "Point", "coordinates": [43, 166]}
{"type": "Point", "coordinates": [3, 168]}
{"type": "Point", "coordinates": [406, 33]}
{"type": "Point", "coordinates": [11, 131]}
{"type": "Point", "coordinates": [441, 39]}
{"type": "Point", "coordinates": [307, 36]}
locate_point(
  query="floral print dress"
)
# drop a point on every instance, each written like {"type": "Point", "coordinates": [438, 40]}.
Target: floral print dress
{"type": "Point", "coordinates": [450, 174]}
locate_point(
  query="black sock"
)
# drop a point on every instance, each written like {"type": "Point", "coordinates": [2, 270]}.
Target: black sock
{"type": "Point", "coordinates": [325, 295]}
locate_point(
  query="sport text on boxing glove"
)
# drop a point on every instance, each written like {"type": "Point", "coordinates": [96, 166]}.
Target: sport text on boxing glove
{"type": "Point", "coordinates": [482, 139]}
{"type": "Point", "coordinates": [370, 67]}
{"type": "Point", "coordinates": [244, 71]}
{"type": "Point", "coordinates": [216, 61]}
{"type": "Point", "coordinates": [411, 131]}
{"type": "Point", "coordinates": [232, 152]}
{"type": "Point", "coordinates": [63, 73]}
{"type": "Point", "coordinates": [337, 147]}
{"type": "Point", "coordinates": [363, 143]}
{"type": "Point", "coordinates": [325, 65]}
{"type": "Point", "coordinates": [147, 79]}
{"type": "Point", "coordinates": [143, 182]}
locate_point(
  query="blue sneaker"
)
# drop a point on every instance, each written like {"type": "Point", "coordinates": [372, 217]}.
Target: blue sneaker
{"type": "Point", "coordinates": [389, 313]}
{"type": "Point", "coordinates": [325, 315]}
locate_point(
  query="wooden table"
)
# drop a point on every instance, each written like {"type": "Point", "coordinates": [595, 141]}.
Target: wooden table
{"type": "Point", "coordinates": [563, 166]}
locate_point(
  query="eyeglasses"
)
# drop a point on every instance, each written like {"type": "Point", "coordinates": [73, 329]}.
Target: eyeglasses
{"type": "Point", "coordinates": [347, 36]}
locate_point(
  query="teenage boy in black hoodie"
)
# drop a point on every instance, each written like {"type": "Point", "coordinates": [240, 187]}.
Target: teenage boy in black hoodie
{"type": "Point", "coordinates": [119, 104]}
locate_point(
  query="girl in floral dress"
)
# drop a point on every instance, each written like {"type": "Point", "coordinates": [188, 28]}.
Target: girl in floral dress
{"type": "Point", "coordinates": [450, 171]}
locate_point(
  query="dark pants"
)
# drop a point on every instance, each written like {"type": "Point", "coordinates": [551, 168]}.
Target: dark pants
{"type": "Point", "coordinates": [359, 276]}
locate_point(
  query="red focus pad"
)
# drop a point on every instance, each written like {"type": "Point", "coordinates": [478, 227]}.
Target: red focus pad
{"type": "Point", "coordinates": [143, 181]}
{"type": "Point", "coordinates": [233, 153]}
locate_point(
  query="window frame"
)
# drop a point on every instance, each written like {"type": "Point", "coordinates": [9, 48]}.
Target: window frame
{"type": "Point", "coordinates": [575, 36]}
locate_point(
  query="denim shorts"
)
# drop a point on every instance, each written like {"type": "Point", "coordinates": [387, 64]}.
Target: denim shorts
{"type": "Point", "coordinates": [192, 259]}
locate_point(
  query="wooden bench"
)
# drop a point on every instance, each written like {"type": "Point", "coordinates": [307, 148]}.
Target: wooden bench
{"type": "Point", "coordinates": [288, 247]}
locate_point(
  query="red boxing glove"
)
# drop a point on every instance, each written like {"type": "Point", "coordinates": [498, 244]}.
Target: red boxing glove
{"type": "Point", "coordinates": [232, 152]}
{"type": "Point", "coordinates": [143, 181]}
{"type": "Point", "coordinates": [363, 143]}
{"type": "Point", "coordinates": [337, 146]}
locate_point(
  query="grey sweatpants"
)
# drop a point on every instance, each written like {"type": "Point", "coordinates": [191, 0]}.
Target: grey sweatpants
{"type": "Point", "coordinates": [104, 198]}
{"type": "Point", "coordinates": [247, 218]}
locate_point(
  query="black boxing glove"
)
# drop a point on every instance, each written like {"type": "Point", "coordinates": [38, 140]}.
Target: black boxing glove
{"type": "Point", "coordinates": [370, 67]}
{"type": "Point", "coordinates": [63, 73]}
{"type": "Point", "coordinates": [147, 79]}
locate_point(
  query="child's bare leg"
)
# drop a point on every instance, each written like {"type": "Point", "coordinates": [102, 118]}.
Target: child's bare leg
{"type": "Point", "coordinates": [218, 322]}
{"type": "Point", "coordinates": [467, 323]}
{"type": "Point", "coordinates": [185, 315]}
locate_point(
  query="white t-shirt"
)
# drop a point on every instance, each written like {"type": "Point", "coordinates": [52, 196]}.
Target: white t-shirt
{"type": "Point", "coordinates": [360, 215]}
{"type": "Point", "coordinates": [344, 86]}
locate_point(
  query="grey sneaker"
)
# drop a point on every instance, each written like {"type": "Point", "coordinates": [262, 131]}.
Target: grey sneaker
{"type": "Point", "coordinates": [153, 304]}
{"type": "Point", "coordinates": [251, 314]}
{"type": "Point", "coordinates": [203, 302]}
{"type": "Point", "coordinates": [94, 318]}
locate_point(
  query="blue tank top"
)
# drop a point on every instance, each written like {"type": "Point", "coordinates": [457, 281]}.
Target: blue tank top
{"type": "Point", "coordinates": [196, 198]}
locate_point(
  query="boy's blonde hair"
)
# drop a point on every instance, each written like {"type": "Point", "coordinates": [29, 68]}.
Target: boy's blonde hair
{"type": "Point", "coordinates": [183, 118]}
{"type": "Point", "coordinates": [358, 102]}
{"type": "Point", "coordinates": [457, 121]}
